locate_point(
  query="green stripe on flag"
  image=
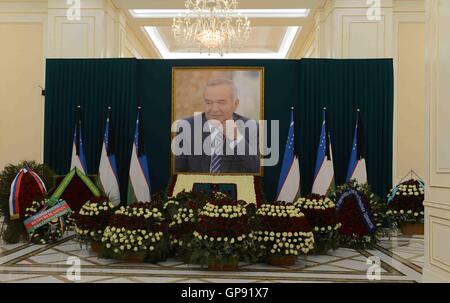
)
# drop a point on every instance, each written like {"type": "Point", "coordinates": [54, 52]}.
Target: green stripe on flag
{"type": "Point", "coordinates": [131, 196]}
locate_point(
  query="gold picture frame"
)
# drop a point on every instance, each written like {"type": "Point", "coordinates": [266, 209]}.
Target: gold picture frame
{"type": "Point", "coordinates": [261, 112]}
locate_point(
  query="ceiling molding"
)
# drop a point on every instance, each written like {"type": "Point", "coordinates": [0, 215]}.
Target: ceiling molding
{"type": "Point", "coordinates": [250, 13]}
{"type": "Point", "coordinates": [282, 53]}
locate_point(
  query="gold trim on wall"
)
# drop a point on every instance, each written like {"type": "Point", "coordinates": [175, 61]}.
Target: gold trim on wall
{"type": "Point", "coordinates": [261, 113]}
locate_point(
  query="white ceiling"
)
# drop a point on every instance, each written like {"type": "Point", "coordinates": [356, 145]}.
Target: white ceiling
{"type": "Point", "coordinates": [274, 34]}
{"type": "Point", "coordinates": [261, 38]}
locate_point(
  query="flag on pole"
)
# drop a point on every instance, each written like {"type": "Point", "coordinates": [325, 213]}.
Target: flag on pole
{"type": "Point", "coordinates": [107, 170]}
{"type": "Point", "coordinates": [139, 178]}
{"type": "Point", "coordinates": [357, 164]}
{"type": "Point", "coordinates": [324, 171]}
{"type": "Point", "coordinates": [288, 188]}
{"type": "Point", "coordinates": [78, 158]}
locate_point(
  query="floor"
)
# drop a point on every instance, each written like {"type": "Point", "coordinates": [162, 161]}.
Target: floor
{"type": "Point", "coordinates": [400, 259]}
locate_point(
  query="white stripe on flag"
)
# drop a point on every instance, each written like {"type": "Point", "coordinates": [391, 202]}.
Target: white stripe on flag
{"type": "Point", "coordinates": [137, 178]}
{"type": "Point", "coordinates": [76, 160]}
{"type": "Point", "coordinates": [360, 172]}
{"type": "Point", "coordinates": [291, 187]}
{"type": "Point", "coordinates": [324, 178]}
{"type": "Point", "coordinates": [108, 179]}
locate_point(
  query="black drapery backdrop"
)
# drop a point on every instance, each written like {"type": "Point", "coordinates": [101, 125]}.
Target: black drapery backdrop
{"type": "Point", "coordinates": [308, 85]}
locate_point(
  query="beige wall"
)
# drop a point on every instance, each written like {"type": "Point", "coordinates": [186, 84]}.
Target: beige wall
{"type": "Point", "coordinates": [437, 152]}
{"type": "Point", "coordinates": [342, 30]}
{"type": "Point", "coordinates": [21, 104]}
{"type": "Point", "coordinates": [33, 30]}
{"type": "Point", "coordinates": [410, 75]}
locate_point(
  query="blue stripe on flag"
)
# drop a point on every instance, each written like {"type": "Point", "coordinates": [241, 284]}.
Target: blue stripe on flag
{"type": "Point", "coordinates": [142, 158]}
{"type": "Point", "coordinates": [353, 162]}
{"type": "Point", "coordinates": [81, 154]}
{"type": "Point", "coordinates": [288, 158]}
{"type": "Point", "coordinates": [322, 151]}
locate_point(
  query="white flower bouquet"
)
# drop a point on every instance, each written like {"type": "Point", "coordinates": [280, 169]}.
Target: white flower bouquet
{"type": "Point", "coordinates": [135, 233]}
{"type": "Point", "coordinates": [284, 232]}
{"type": "Point", "coordinates": [321, 214]}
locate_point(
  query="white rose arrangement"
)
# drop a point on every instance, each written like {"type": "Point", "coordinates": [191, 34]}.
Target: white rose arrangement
{"type": "Point", "coordinates": [136, 210]}
{"type": "Point", "coordinates": [136, 228]}
{"type": "Point", "coordinates": [321, 213]}
{"type": "Point", "coordinates": [92, 219]}
{"type": "Point", "coordinates": [224, 232]}
{"type": "Point", "coordinates": [405, 203]}
{"type": "Point", "coordinates": [135, 240]}
{"type": "Point", "coordinates": [170, 204]}
{"type": "Point", "coordinates": [283, 230]}
{"type": "Point", "coordinates": [181, 224]}
{"type": "Point", "coordinates": [183, 211]}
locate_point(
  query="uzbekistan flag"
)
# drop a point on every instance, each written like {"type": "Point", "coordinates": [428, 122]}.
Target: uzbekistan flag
{"type": "Point", "coordinates": [288, 188]}
{"type": "Point", "coordinates": [139, 178]}
{"type": "Point", "coordinates": [357, 164]}
{"type": "Point", "coordinates": [14, 211]}
{"type": "Point", "coordinates": [107, 171]}
{"type": "Point", "coordinates": [324, 171]}
{"type": "Point", "coordinates": [78, 158]}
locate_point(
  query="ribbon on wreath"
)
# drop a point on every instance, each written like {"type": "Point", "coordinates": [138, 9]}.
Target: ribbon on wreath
{"type": "Point", "coordinates": [14, 196]}
{"type": "Point", "coordinates": [365, 213]}
{"type": "Point", "coordinates": [68, 178]}
{"type": "Point", "coordinates": [54, 209]}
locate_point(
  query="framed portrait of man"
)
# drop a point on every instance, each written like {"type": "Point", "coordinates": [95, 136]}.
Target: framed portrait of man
{"type": "Point", "coordinates": [215, 120]}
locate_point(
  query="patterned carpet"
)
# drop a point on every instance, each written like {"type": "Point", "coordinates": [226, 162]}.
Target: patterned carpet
{"type": "Point", "coordinates": [401, 260]}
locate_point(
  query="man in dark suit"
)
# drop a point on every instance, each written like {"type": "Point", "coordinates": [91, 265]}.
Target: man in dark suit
{"type": "Point", "coordinates": [219, 140]}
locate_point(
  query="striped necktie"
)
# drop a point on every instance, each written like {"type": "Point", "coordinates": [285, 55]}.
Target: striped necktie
{"type": "Point", "coordinates": [217, 152]}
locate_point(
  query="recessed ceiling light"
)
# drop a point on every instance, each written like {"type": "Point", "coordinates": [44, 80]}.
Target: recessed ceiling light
{"type": "Point", "coordinates": [250, 13]}
{"type": "Point", "coordinates": [289, 36]}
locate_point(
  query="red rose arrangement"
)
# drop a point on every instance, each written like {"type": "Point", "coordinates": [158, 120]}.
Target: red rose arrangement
{"type": "Point", "coordinates": [29, 191]}
{"type": "Point", "coordinates": [138, 228]}
{"type": "Point", "coordinates": [183, 212]}
{"type": "Point", "coordinates": [321, 214]}
{"type": "Point", "coordinates": [92, 219]}
{"type": "Point", "coordinates": [283, 230]}
{"type": "Point", "coordinates": [405, 202]}
{"type": "Point", "coordinates": [224, 232]}
{"type": "Point", "coordinates": [13, 230]}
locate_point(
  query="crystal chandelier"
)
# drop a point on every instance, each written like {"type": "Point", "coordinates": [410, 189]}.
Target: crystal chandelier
{"type": "Point", "coordinates": [209, 24]}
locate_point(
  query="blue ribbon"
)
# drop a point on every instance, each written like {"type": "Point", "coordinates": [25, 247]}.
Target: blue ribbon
{"type": "Point", "coordinates": [361, 207]}
{"type": "Point", "coordinates": [396, 189]}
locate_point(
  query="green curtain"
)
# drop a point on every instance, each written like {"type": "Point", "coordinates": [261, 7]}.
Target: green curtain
{"type": "Point", "coordinates": [343, 86]}
{"type": "Point", "coordinates": [94, 84]}
{"type": "Point", "coordinates": [308, 85]}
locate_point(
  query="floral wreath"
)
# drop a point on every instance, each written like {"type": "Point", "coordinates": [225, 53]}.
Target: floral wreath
{"type": "Point", "coordinates": [405, 202]}
{"type": "Point", "coordinates": [52, 231]}
{"type": "Point", "coordinates": [361, 214]}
